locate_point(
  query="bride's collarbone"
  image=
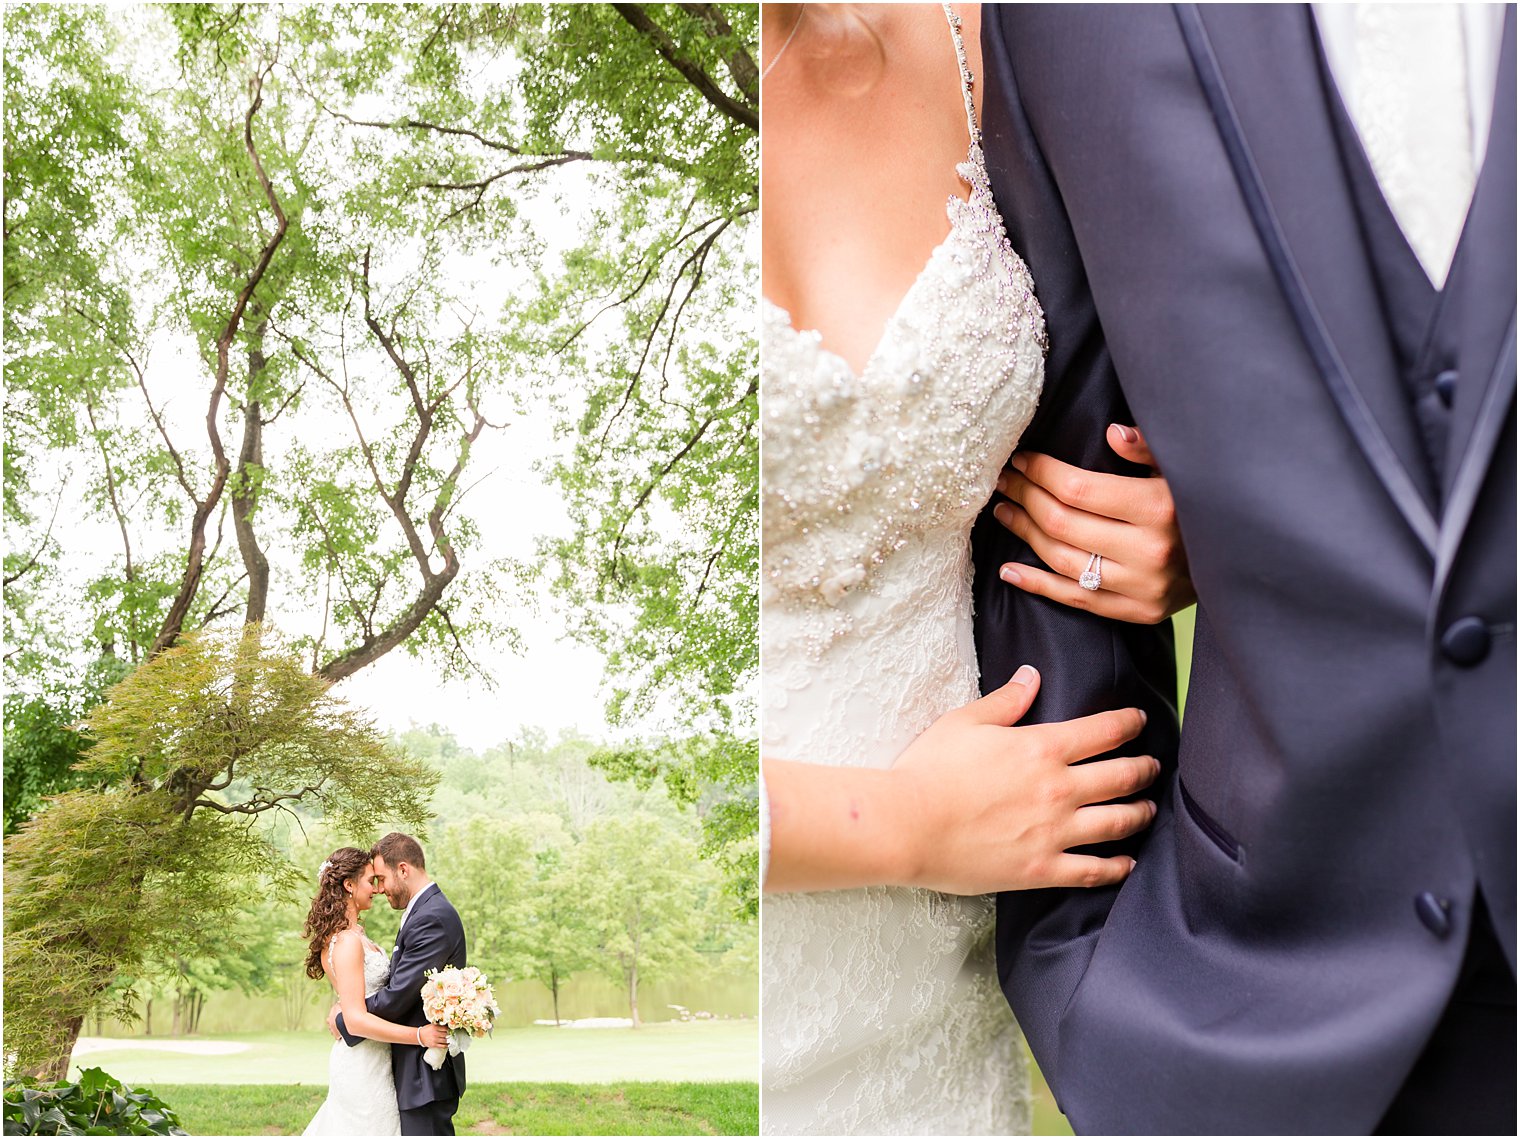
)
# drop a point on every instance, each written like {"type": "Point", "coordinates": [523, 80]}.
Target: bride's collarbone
{"type": "Point", "coordinates": [851, 218]}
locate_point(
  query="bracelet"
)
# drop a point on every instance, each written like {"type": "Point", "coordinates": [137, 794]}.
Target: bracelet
{"type": "Point", "coordinates": [419, 1036]}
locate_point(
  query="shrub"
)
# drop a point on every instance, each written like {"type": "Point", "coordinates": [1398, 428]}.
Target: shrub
{"type": "Point", "coordinates": [95, 1104]}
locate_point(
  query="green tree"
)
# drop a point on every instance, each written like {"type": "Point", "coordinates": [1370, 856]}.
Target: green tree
{"type": "Point", "coordinates": [246, 957]}
{"type": "Point", "coordinates": [561, 939]}
{"type": "Point", "coordinates": [488, 868]}
{"type": "Point", "coordinates": [44, 740]}
{"type": "Point", "coordinates": [643, 890]}
{"type": "Point", "coordinates": [715, 775]}
{"type": "Point", "coordinates": [661, 573]}
{"type": "Point", "coordinates": [197, 210]}
{"type": "Point", "coordinates": [191, 751]}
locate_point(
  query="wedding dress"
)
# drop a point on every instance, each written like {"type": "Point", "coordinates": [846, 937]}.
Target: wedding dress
{"type": "Point", "coordinates": [881, 1008]}
{"type": "Point", "coordinates": [361, 1092]}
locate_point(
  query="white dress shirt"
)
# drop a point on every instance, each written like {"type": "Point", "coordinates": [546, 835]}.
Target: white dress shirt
{"type": "Point", "coordinates": [406, 913]}
{"type": "Point", "coordinates": [1418, 82]}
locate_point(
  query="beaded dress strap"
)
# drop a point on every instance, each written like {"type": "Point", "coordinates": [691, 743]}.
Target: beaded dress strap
{"type": "Point", "coordinates": [968, 81]}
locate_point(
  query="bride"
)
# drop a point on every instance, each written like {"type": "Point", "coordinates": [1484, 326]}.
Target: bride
{"type": "Point", "coordinates": [902, 357]}
{"type": "Point", "coordinates": [361, 1093]}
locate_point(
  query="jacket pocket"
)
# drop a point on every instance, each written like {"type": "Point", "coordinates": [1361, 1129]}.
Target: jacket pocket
{"type": "Point", "coordinates": [1205, 822]}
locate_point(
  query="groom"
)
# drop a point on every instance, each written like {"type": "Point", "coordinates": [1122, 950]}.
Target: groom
{"type": "Point", "coordinates": [431, 937]}
{"type": "Point", "coordinates": [1289, 234]}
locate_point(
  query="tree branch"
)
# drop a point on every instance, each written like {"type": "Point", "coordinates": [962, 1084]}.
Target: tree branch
{"type": "Point", "coordinates": [741, 64]}
{"type": "Point", "coordinates": [434, 582]}
{"type": "Point", "coordinates": [485, 184]}
{"type": "Point", "coordinates": [245, 491]}
{"type": "Point", "coordinates": [121, 518]}
{"type": "Point", "coordinates": [419, 125]}
{"type": "Point", "coordinates": [634, 14]}
{"type": "Point", "coordinates": [190, 584]}
{"type": "Point", "coordinates": [11, 579]}
{"type": "Point", "coordinates": [265, 799]}
{"type": "Point", "coordinates": [697, 256]}
{"type": "Point", "coordinates": [142, 386]}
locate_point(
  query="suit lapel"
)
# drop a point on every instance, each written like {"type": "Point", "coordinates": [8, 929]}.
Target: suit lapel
{"type": "Point", "coordinates": [406, 922]}
{"type": "Point", "coordinates": [1486, 373]}
{"type": "Point", "coordinates": [1258, 66]}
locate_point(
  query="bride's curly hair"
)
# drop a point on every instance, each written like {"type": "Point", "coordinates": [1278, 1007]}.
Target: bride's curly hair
{"type": "Point", "coordinates": [329, 909]}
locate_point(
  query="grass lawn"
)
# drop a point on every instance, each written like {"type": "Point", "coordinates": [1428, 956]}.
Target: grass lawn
{"type": "Point", "coordinates": [493, 1108]}
{"type": "Point", "coordinates": [695, 1051]}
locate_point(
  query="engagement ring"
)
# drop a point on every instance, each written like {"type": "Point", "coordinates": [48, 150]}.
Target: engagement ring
{"type": "Point", "coordinates": [1092, 576]}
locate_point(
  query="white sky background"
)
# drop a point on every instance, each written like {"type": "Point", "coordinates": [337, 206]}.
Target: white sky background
{"type": "Point", "coordinates": [551, 683]}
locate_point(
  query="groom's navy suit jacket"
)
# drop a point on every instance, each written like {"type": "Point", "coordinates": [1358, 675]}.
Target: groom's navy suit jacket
{"type": "Point", "coordinates": [1343, 803]}
{"type": "Point", "coordinates": [431, 937]}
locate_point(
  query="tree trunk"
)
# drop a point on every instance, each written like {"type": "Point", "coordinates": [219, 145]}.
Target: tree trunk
{"type": "Point", "coordinates": [250, 468]}
{"type": "Point", "coordinates": [633, 994]}
{"type": "Point", "coordinates": [148, 1017]}
{"type": "Point", "coordinates": [57, 1066]}
{"type": "Point", "coordinates": [554, 989]}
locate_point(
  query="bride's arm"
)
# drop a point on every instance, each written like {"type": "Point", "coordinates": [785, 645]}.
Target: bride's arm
{"type": "Point", "coordinates": [971, 807]}
{"type": "Point", "coordinates": [346, 968]}
{"type": "Point", "coordinates": [1066, 514]}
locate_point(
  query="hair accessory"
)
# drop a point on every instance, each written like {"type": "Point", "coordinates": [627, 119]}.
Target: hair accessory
{"type": "Point", "coordinates": [326, 866]}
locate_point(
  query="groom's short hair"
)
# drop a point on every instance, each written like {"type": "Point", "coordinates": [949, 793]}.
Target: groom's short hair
{"type": "Point", "coordinates": [397, 847]}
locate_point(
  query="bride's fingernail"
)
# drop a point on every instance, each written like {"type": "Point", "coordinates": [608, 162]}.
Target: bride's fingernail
{"type": "Point", "coordinates": [1019, 463]}
{"type": "Point", "coordinates": [1010, 575]}
{"type": "Point", "coordinates": [1125, 433]}
{"type": "Point", "coordinates": [1025, 675]}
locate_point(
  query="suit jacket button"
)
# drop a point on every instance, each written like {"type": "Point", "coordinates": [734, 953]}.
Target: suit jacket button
{"type": "Point", "coordinates": [1446, 386]}
{"type": "Point", "coordinates": [1434, 913]}
{"type": "Point", "coordinates": [1465, 642]}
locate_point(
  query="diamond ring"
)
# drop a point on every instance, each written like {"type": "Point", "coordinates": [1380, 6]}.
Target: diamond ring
{"type": "Point", "coordinates": [1092, 576]}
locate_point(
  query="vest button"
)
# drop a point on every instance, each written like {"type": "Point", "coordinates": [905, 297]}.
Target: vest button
{"type": "Point", "coordinates": [1465, 642]}
{"type": "Point", "coordinates": [1446, 386]}
{"type": "Point", "coordinates": [1434, 913]}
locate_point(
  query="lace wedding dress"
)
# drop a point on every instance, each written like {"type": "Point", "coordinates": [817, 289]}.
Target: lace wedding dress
{"type": "Point", "coordinates": [881, 1008]}
{"type": "Point", "coordinates": [361, 1092]}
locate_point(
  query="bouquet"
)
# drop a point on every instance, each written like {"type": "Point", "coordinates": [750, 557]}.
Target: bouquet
{"type": "Point", "coordinates": [462, 1001]}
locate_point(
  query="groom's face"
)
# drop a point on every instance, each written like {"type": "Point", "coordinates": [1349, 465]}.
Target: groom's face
{"type": "Point", "coordinates": [393, 880]}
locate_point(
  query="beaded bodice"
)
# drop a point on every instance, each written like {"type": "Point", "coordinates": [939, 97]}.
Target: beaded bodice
{"type": "Point", "coordinates": [377, 963]}
{"type": "Point", "coordinates": [853, 465]}
{"type": "Point", "coordinates": [861, 472]}
{"type": "Point", "coordinates": [377, 969]}
{"type": "Point", "coordinates": [881, 1010]}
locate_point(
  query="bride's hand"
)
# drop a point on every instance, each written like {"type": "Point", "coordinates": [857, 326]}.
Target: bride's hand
{"type": "Point", "coordinates": [972, 806]}
{"type": "Point", "coordinates": [1001, 806]}
{"type": "Point", "coordinates": [1067, 514]}
{"type": "Point", "coordinates": [435, 1036]}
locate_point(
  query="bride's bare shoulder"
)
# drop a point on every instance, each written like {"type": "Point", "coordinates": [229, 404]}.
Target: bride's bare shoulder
{"type": "Point", "coordinates": [346, 950]}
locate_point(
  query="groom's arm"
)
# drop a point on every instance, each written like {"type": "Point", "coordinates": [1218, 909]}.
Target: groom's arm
{"type": "Point", "coordinates": [1087, 664]}
{"type": "Point", "coordinates": [427, 947]}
